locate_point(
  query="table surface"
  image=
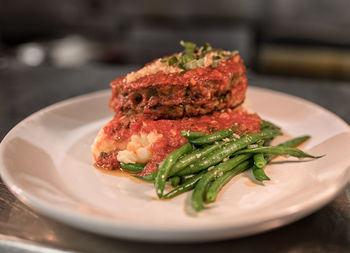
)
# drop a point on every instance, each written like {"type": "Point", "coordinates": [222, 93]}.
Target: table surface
{"type": "Point", "coordinates": [25, 90]}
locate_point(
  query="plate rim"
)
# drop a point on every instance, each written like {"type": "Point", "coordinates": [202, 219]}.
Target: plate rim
{"type": "Point", "coordinates": [70, 218]}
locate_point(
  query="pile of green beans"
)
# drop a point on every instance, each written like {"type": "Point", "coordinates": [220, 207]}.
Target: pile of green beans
{"type": "Point", "coordinates": [209, 161]}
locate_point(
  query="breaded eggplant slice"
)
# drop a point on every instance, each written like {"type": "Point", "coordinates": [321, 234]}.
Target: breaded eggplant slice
{"type": "Point", "coordinates": [160, 91]}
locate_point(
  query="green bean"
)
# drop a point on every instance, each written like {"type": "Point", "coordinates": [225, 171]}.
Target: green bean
{"type": "Point", "coordinates": [259, 173]}
{"type": "Point", "coordinates": [217, 171]}
{"type": "Point", "coordinates": [132, 167]}
{"type": "Point", "coordinates": [259, 165]}
{"type": "Point", "coordinates": [191, 135]}
{"type": "Point", "coordinates": [290, 143]}
{"type": "Point", "coordinates": [259, 160]}
{"type": "Point", "coordinates": [211, 138]}
{"type": "Point", "coordinates": [187, 185]}
{"type": "Point", "coordinates": [226, 151]}
{"type": "Point", "coordinates": [174, 181]}
{"type": "Point", "coordinates": [279, 150]}
{"type": "Point", "coordinates": [258, 168]}
{"type": "Point", "coordinates": [295, 142]}
{"type": "Point", "coordinates": [148, 178]}
{"type": "Point", "coordinates": [216, 186]}
{"type": "Point", "coordinates": [269, 125]}
{"type": "Point", "coordinates": [193, 156]}
{"type": "Point", "coordinates": [163, 172]}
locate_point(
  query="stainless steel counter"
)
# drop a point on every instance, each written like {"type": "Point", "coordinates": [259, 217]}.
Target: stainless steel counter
{"type": "Point", "coordinates": [26, 90]}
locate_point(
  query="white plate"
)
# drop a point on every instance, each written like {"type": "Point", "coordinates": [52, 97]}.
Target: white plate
{"type": "Point", "coordinates": [46, 162]}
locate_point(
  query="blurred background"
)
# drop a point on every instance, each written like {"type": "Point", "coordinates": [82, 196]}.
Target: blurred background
{"type": "Point", "coordinates": [52, 50]}
{"type": "Point", "coordinates": [284, 37]}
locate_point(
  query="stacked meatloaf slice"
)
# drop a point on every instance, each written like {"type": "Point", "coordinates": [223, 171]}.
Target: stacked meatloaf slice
{"type": "Point", "coordinates": [152, 105]}
{"type": "Point", "coordinates": [194, 92]}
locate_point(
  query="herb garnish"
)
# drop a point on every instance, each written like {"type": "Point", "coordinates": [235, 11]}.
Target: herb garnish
{"type": "Point", "coordinates": [193, 56]}
{"type": "Point", "coordinates": [172, 60]}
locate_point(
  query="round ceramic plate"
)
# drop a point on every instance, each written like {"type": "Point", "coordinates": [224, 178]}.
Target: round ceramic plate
{"type": "Point", "coordinates": [46, 162]}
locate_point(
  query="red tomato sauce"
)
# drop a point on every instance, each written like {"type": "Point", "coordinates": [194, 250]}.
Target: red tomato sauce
{"type": "Point", "coordinates": [231, 66]}
{"type": "Point", "coordinates": [121, 128]}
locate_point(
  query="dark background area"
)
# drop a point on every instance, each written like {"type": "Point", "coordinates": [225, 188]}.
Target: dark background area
{"type": "Point", "coordinates": [51, 50]}
{"type": "Point", "coordinates": [283, 37]}
{"type": "Point", "coordinates": [43, 40]}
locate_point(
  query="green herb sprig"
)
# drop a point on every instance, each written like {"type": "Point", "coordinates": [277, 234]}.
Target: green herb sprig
{"type": "Point", "coordinates": [193, 56]}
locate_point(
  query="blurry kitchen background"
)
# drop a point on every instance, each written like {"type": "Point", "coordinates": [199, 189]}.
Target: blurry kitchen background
{"type": "Point", "coordinates": [276, 37]}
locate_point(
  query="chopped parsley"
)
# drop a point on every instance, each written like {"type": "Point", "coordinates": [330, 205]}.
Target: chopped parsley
{"type": "Point", "coordinates": [193, 56]}
{"type": "Point", "coordinates": [172, 60]}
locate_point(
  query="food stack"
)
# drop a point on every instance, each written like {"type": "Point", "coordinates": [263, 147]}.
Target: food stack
{"type": "Point", "coordinates": [200, 89]}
